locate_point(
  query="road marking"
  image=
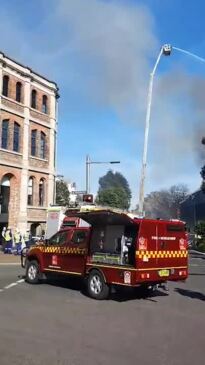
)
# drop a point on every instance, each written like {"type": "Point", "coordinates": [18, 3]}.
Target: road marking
{"type": "Point", "coordinates": [12, 285]}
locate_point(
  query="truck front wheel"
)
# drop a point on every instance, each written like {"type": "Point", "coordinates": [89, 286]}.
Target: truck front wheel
{"type": "Point", "coordinates": [32, 272]}
{"type": "Point", "coordinates": [97, 288]}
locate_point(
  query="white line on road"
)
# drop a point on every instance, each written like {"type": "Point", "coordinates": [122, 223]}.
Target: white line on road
{"type": "Point", "coordinates": [12, 285]}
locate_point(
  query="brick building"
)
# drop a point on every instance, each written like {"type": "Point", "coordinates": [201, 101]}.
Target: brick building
{"type": "Point", "coordinates": [28, 122]}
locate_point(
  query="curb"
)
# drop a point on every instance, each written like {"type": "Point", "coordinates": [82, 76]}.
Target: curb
{"type": "Point", "coordinates": [199, 252]}
{"type": "Point", "coordinates": [10, 264]}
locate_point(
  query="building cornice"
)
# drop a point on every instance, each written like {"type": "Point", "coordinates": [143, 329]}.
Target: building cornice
{"type": "Point", "coordinates": [28, 72]}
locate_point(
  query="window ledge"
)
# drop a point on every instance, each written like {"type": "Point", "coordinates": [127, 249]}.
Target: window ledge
{"type": "Point", "coordinates": [38, 158]}
{"type": "Point", "coordinates": [38, 111]}
{"type": "Point", "coordinates": [13, 100]}
{"type": "Point", "coordinates": [36, 207]}
{"type": "Point", "coordinates": [10, 151]}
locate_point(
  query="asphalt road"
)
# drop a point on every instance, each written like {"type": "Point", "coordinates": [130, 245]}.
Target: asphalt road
{"type": "Point", "coordinates": [55, 323]}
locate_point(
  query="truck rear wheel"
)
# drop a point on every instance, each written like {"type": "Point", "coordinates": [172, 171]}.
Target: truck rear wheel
{"type": "Point", "coordinates": [32, 272]}
{"type": "Point", "coordinates": [96, 286]}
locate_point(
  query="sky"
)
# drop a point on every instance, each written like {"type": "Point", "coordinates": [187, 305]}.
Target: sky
{"type": "Point", "coordinates": [101, 53]}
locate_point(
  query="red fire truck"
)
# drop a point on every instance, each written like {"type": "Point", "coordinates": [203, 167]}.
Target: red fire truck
{"type": "Point", "coordinates": [116, 249]}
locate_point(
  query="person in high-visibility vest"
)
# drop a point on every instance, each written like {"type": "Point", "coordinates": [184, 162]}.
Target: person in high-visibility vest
{"type": "Point", "coordinates": [8, 241]}
{"type": "Point", "coordinates": [17, 241]}
{"type": "Point", "coordinates": [3, 239]}
{"type": "Point", "coordinates": [27, 238]}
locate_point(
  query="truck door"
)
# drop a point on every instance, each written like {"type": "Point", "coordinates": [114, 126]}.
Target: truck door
{"type": "Point", "coordinates": [172, 245]}
{"type": "Point", "coordinates": [147, 245]}
{"type": "Point", "coordinates": [76, 249]}
{"type": "Point", "coordinates": [53, 251]}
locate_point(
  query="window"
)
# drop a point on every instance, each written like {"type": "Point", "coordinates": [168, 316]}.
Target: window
{"type": "Point", "coordinates": [18, 91]}
{"type": "Point", "coordinates": [175, 228]}
{"type": "Point", "coordinates": [44, 104]}
{"type": "Point", "coordinates": [58, 239]}
{"type": "Point", "coordinates": [33, 142]}
{"type": "Point", "coordinates": [16, 137]}
{"type": "Point", "coordinates": [41, 192]}
{"type": "Point", "coordinates": [79, 236]}
{"type": "Point", "coordinates": [33, 99]}
{"type": "Point", "coordinates": [43, 146]}
{"type": "Point", "coordinates": [5, 85]}
{"type": "Point", "coordinates": [30, 191]}
{"type": "Point", "coordinates": [4, 134]}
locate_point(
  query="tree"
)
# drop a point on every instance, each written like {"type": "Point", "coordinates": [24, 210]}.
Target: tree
{"type": "Point", "coordinates": [116, 184]}
{"type": "Point", "coordinates": [200, 236]}
{"type": "Point", "coordinates": [113, 197]}
{"type": "Point", "coordinates": [202, 173]}
{"type": "Point", "coordinates": [62, 193]}
{"type": "Point", "coordinates": [165, 203]}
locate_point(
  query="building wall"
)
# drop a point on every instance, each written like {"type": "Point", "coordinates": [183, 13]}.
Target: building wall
{"type": "Point", "coordinates": [20, 166]}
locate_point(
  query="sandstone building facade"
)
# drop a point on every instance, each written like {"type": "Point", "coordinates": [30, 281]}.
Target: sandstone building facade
{"type": "Point", "coordinates": [28, 127]}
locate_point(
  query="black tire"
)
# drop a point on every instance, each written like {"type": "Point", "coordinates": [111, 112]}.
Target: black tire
{"type": "Point", "coordinates": [32, 272]}
{"type": "Point", "coordinates": [96, 286]}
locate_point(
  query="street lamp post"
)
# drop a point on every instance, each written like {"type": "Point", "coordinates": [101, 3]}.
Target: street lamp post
{"type": "Point", "coordinates": [165, 50]}
{"type": "Point", "coordinates": [88, 163]}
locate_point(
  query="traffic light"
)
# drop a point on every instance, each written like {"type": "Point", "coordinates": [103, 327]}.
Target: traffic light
{"type": "Point", "coordinates": [1, 199]}
{"type": "Point", "coordinates": [88, 198]}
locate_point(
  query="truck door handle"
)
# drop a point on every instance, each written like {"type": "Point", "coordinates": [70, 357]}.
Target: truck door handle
{"type": "Point", "coordinates": [162, 244]}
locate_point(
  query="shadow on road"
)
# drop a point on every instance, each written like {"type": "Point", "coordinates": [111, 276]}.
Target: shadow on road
{"type": "Point", "coordinates": [119, 294]}
{"type": "Point", "coordinates": [126, 294]}
{"type": "Point", "coordinates": [190, 293]}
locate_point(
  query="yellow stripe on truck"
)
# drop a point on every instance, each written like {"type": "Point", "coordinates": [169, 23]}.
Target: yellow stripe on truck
{"type": "Point", "coordinates": [161, 254]}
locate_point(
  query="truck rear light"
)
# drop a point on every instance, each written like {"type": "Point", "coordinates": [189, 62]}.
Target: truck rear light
{"type": "Point", "coordinates": [182, 273]}
{"type": "Point", "coordinates": [145, 275]}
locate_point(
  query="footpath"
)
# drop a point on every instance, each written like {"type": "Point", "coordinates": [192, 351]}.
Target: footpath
{"type": "Point", "coordinates": [9, 259]}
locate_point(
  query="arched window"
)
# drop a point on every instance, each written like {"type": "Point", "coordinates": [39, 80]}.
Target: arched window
{"type": "Point", "coordinates": [44, 104]}
{"type": "Point", "coordinates": [18, 91]}
{"type": "Point", "coordinates": [33, 99]}
{"type": "Point", "coordinates": [30, 191]}
{"type": "Point", "coordinates": [43, 146]}
{"type": "Point", "coordinates": [41, 192]}
{"type": "Point", "coordinates": [16, 137]}
{"type": "Point", "coordinates": [5, 90]}
{"type": "Point", "coordinates": [5, 193]}
{"type": "Point", "coordinates": [33, 142]}
{"type": "Point", "coordinates": [4, 134]}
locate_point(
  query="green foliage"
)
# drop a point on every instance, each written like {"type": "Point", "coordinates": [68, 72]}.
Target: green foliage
{"type": "Point", "coordinates": [113, 197]}
{"type": "Point", "coordinates": [202, 173]}
{"type": "Point", "coordinates": [114, 190]}
{"type": "Point", "coordinates": [62, 193]}
{"type": "Point", "coordinates": [200, 229]}
{"type": "Point", "coordinates": [200, 236]}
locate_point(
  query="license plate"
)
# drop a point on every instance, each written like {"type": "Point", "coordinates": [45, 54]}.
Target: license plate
{"type": "Point", "coordinates": [163, 273]}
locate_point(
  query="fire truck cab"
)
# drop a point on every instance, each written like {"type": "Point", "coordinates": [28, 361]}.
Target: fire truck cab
{"type": "Point", "coordinates": [116, 249]}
